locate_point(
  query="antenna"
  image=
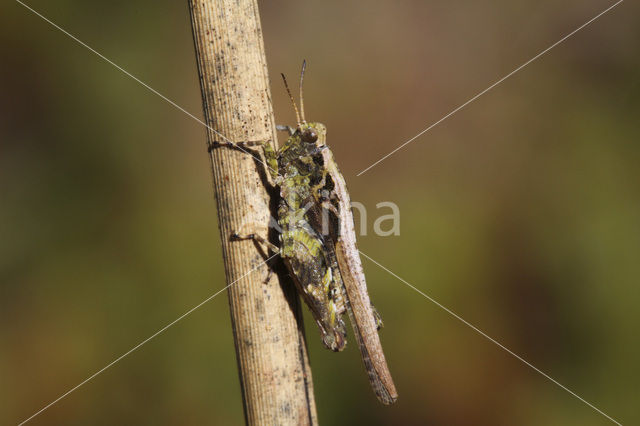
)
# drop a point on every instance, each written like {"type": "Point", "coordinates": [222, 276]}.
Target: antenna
{"type": "Point", "coordinates": [293, 102]}
{"type": "Point", "coordinates": [304, 66]}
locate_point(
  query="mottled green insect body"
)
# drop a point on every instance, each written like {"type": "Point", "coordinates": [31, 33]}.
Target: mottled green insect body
{"type": "Point", "coordinates": [317, 243]}
{"type": "Point", "coordinates": [303, 245]}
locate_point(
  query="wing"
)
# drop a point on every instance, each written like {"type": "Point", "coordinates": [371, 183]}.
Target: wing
{"type": "Point", "coordinates": [364, 319]}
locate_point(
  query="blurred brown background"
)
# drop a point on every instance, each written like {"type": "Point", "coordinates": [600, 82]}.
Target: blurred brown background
{"type": "Point", "coordinates": [521, 213]}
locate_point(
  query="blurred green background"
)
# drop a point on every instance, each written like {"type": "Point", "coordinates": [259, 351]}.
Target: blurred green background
{"type": "Point", "coordinates": [521, 212]}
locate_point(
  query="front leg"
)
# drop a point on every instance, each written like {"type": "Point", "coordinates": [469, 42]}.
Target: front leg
{"type": "Point", "coordinates": [239, 145]}
{"type": "Point", "coordinates": [270, 155]}
{"type": "Point", "coordinates": [290, 130]}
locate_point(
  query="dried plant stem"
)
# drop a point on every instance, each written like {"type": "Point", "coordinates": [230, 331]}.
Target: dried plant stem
{"type": "Point", "coordinates": [267, 328]}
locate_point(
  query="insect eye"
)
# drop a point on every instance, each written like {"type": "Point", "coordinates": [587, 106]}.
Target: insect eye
{"type": "Point", "coordinates": [310, 136]}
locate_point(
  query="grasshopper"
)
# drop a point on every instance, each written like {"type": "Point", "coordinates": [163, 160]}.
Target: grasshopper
{"type": "Point", "coordinates": [317, 241]}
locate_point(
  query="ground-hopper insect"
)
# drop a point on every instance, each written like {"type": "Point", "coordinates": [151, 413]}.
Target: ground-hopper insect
{"type": "Point", "coordinates": [318, 242]}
